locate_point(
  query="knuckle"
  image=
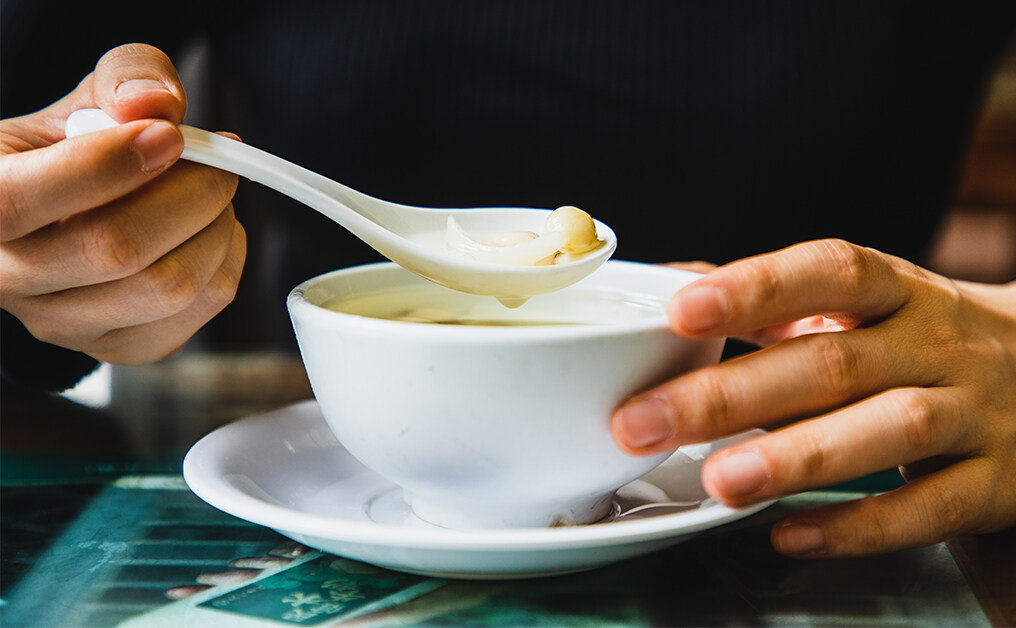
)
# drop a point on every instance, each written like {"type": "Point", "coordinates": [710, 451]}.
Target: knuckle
{"type": "Point", "coordinates": [839, 364]}
{"type": "Point", "coordinates": [916, 417]}
{"type": "Point", "coordinates": [945, 507]}
{"type": "Point", "coordinates": [877, 536]}
{"type": "Point", "coordinates": [12, 210]}
{"type": "Point", "coordinates": [172, 285]}
{"type": "Point", "coordinates": [947, 340]}
{"type": "Point", "coordinates": [861, 527]}
{"type": "Point", "coordinates": [130, 346]}
{"type": "Point", "coordinates": [113, 250]}
{"type": "Point", "coordinates": [873, 537]}
{"type": "Point", "coordinates": [812, 457]}
{"type": "Point", "coordinates": [40, 328]}
{"type": "Point", "coordinates": [221, 290]}
{"type": "Point", "coordinates": [765, 282]}
{"type": "Point", "coordinates": [948, 358]}
{"type": "Point", "coordinates": [714, 393]}
{"type": "Point", "coordinates": [14, 280]}
{"type": "Point", "coordinates": [852, 263]}
{"type": "Point", "coordinates": [53, 330]}
{"type": "Point", "coordinates": [873, 526]}
{"type": "Point", "coordinates": [111, 348]}
{"type": "Point", "coordinates": [220, 184]}
{"type": "Point", "coordinates": [214, 188]}
{"type": "Point", "coordinates": [998, 352]}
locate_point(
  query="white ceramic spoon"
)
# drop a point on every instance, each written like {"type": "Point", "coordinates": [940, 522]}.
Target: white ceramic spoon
{"type": "Point", "coordinates": [412, 237]}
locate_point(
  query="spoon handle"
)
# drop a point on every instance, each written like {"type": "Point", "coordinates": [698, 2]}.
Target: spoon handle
{"type": "Point", "coordinates": [342, 204]}
{"type": "Point", "coordinates": [262, 167]}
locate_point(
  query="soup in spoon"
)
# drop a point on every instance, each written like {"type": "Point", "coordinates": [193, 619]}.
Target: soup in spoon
{"type": "Point", "coordinates": [568, 234]}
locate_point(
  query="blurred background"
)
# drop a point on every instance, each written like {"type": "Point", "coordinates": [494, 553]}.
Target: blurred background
{"type": "Point", "coordinates": [246, 359]}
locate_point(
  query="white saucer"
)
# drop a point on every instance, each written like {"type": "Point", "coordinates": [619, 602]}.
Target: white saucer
{"type": "Point", "coordinates": [285, 470]}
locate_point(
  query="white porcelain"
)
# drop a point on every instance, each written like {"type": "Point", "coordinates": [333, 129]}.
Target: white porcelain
{"type": "Point", "coordinates": [494, 427]}
{"type": "Point", "coordinates": [403, 234]}
{"type": "Point", "coordinates": [285, 470]}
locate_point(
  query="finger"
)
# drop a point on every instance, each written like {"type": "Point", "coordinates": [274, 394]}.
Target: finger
{"type": "Point", "coordinates": [120, 238]}
{"type": "Point", "coordinates": [700, 267]}
{"type": "Point", "coordinates": [948, 503]}
{"type": "Point", "coordinates": [136, 81]}
{"type": "Point", "coordinates": [771, 335]}
{"type": "Point", "coordinates": [185, 591]}
{"type": "Point", "coordinates": [260, 562]}
{"type": "Point", "coordinates": [168, 286]}
{"type": "Point", "coordinates": [154, 341]}
{"type": "Point", "coordinates": [829, 277]}
{"type": "Point", "coordinates": [289, 549]}
{"type": "Point", "coordinates": [41, 186]}
{"type": "Point", "coordinates": [130, 82]}
{"type": "Point", "coordinates": [799, 377]}
{"type": "Point", "coordinates": [232, 577]}
{"type": "Point", "coordinates": [895, 427]}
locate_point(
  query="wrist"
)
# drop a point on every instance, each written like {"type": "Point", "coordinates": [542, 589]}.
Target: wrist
{"type": "Point", "coordinates": [999, 297]}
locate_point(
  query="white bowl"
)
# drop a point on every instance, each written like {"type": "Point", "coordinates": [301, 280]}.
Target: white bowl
{"type": "Point", "coordinates": [493, 427]}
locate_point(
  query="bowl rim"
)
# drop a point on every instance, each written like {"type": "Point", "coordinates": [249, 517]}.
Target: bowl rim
{"type": "Point", "coordinates": [304, 311]}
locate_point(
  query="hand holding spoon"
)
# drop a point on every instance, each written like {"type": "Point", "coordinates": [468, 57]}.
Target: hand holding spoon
{"type": "Point", "coordinates": [413, 237]}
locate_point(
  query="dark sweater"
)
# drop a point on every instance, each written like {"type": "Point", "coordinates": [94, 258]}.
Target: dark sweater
{"type": "Point", "coordinates": [697, 130]}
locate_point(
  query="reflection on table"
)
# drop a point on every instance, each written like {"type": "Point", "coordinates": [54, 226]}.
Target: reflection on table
{"type": "Point", "coordinates": [99, 530]}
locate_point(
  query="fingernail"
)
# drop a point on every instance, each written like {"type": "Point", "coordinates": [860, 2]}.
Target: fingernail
{"type": "Point", "coordinates": [645, 422]}
{"type": "Point", "coordinates": [157, 144]}
{"type": "Point", "coordinates": [740, 474]}
{"type": "Point", "coordinates": [702, 308]}
{"type": "Point", "coordinates": [133, 87]}
{"type": "Point", "coordinates": [799, 539]}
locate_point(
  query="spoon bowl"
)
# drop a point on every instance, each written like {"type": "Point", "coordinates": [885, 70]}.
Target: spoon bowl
{"type": "Point", "coordinates": [410, 236]}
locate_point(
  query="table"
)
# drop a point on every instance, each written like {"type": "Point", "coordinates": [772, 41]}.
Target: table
{"type": "Point", "coordinates": [100, 530]}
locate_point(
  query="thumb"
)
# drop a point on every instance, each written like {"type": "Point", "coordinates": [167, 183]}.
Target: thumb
{"type": "Point", "coordinates": [137, 81]}
{"type": "Point", "coordinates": [130, 82]}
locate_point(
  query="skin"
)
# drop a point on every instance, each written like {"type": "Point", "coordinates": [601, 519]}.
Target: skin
{"type": "Point", "coordinates": [108, 244]}
{"type": "Point", "coordinates": [870, 362]}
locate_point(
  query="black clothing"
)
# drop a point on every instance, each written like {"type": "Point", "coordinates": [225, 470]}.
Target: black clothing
{"type": "Point", "coordinates": [697, 130]}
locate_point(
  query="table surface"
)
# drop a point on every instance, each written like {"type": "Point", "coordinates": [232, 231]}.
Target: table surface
{"type": "Point", "coordinates": [98, 529]}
